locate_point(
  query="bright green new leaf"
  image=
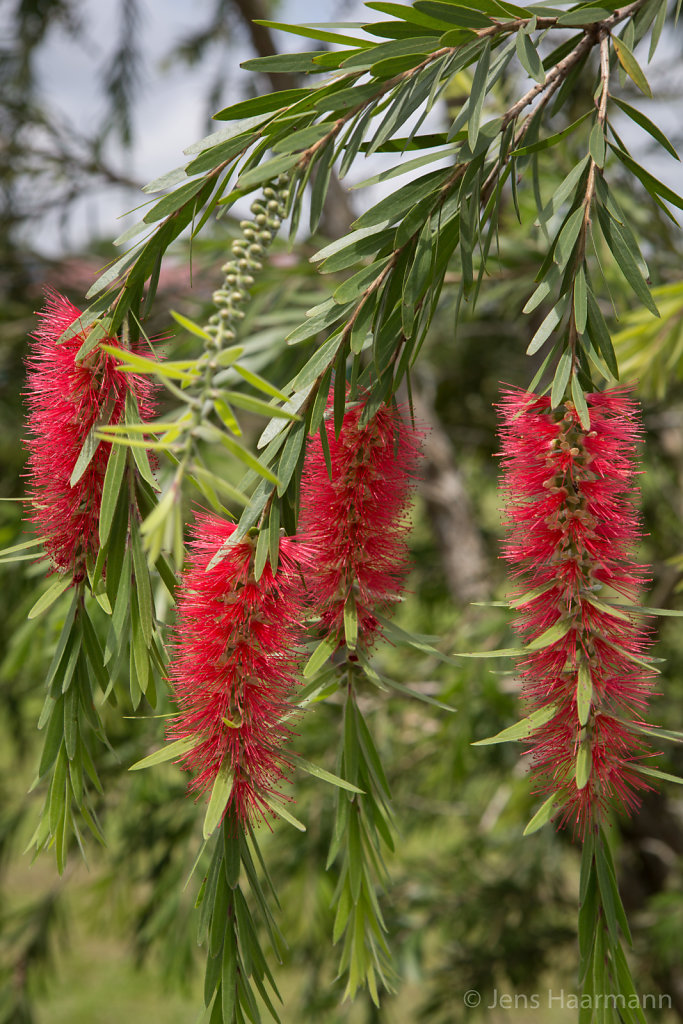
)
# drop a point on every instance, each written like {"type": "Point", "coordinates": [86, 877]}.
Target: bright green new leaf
{"type": "Point", "coordinates": [48, 598]}
{"type": "Point", "coordinates": [542, 815]}
{"type": "Point", "coordinates": [218, 801]}
{"type": "Point", "coordinates": [169, 752]}
{"type": "Point", "coordinates": [520, 730]}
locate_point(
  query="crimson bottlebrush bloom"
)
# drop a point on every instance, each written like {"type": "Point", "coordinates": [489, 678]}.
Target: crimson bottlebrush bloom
{"type": "Point", "coordinates": [572, 528]}
{"type": "Point", "coordinates": [234, 667]}
{"type": "Point", "coordinates": [355, 520]}
{"type": "Point", "coordinates": [66, 399]}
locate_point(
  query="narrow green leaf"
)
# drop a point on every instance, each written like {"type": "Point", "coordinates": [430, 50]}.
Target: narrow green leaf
{"type": "Point", "coordinates": [218, 801]}
{"type": "Point", "coordinates": [116, 465]}
{"type": "Point", "coordinates": [547, 327]}
{"type": "Point", "coordinates": [282, 812]}
{"type": "Point", "coordinates": [143, 588]}
{"type": "Point", "coordinates": [599, 335]}
{"type": "Point", "coordinates": [561, 379]}
{"type": "Point", "coordinates": [477, 94]}
{"type": "Point", "coordinates": [350, 622]}
{"type": "Point", "coordinates": [266, 171]}
{"type": "Point", "coordinates": [291, 454]}
{"type": "Point", "coordinates": [169, 752]}
{"type": "Point", "coordinates": [654, 773]}
{"type": "Point", "coordinates": [564, 246]}
{"type": "Point", "coordinates": [48, 598]}
{"type": "Point", "coordinates": [552, 140]}
{"type": "Point", "coordinates": [320, 773]}
{"type": "Point", "coordinates": [551, 636]}
{"type": "Point", "coordinates": [245, 456]}
{"type": "Point", "coordinates": [189, 325]}
{"type": "Point", "coordinates": [586, 14]}
{"type": "Point", "coordinates": [260, 383]}
{"type": "Point", "coordinates": [542, 815]}
{"type": "Point", "coordinates": [92, 442]}
{"type": "Point", "coordinates": [646, 124]}
{"type": "Point", "coordinates": [654, 186]}
{"type": "Point", "coordinates": [580, 301]}
{"type": "Point", "coordinates": [520, 730]}
{"type": "Point", "coordinates": [320, 655]}
{"type": "Point", "coordinates": [528, 56]}
{"type": "Point", "coordinates": [257, 406]}
{"type": "Point", "coordinates": [596, 144]}
{"type": "Point", "coordinates": [261, 555]}
{"type": "Point", "coordinates": [268, 103]}
{"type": "Point", "coordinates": [631, 66]}
{"type": "Point", "coordinates": [584, 763]}
{"type": "Point", "coordinates": [584, 692]}
{"type": "Point", "coordinates": [625, 259]}
{"type": "Point", "coordinates": [579, 400]}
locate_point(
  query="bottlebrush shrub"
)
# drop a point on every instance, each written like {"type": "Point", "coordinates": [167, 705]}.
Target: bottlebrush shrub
{"type": "Point", "coordinates": [235, 660]}
{"type": "Point", "coordinates": [572, 530]}
{"type": "Point", "coordinates": [66, 400]}
{"type": "Point", "coordinates": [355, 519]}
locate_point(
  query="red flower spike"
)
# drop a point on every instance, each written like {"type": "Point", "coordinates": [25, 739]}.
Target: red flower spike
{"type": "Point", "coordinates": [236, 657]}
{"type": "Point", "coordinates": [572, 528]}
{"type": "Point", "coordinates": [355, 520]}
{"type": "Point", "coordinates": [65, 399]}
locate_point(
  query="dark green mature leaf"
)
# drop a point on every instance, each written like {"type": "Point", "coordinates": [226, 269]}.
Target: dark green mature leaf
{"type": "Point", "coordinates": [110, 275]}
{"type": "Point", "coordinates": [551, 140]}
{"type": "Point", "coordinates": [364, 60]}
{"type": "Point", "coordinates": [321, 317]}
{"type": "Point", "coordinates": [647, 125]}
{"type": "Point", "coordinates": [311, 32]}
{"type": "Point", "coordinates": [284, 63]}
{"type": "Point", "coordinates": [566, 240]}
{"type": "Point", "coordinates": [477, 94]}
{"type": "Point", "coordinates": [323, 174]}
{"type": "Point", "coordinates": [290, 455]}
{"type": "Point", "coordinates": [625, 258]}
{"type": "Point", "coordinates": [172, 202]}
{"type": "Point", "coordinates": [409, 14]}
{"type": "Point", "coordinates": [655, 187]}
{"type": "Point", "coordinates": [528, 56]}
{"type": "Point", "coordinates": [585, 15]}
{"type": "Point", "coordinates": [271, 101]}
{"type": "Point", "coordinates": [393, 207]}
{"type": "Point", "coordinates": [448, 12]}
{"type": "Point", "coordinates": [580, 301]}
{"type": "Point", "coordinates": [266, 171]}
{"type": "Point", "coordinates": [598, 333]}
{"type": "Point", "coordinates": [547, 327]}
{"type": "Point", "coordinates": [294, 142]}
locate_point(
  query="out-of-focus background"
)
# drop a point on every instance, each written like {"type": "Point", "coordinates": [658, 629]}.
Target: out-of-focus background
{"type": "Point", "coordinates": [96, 98]}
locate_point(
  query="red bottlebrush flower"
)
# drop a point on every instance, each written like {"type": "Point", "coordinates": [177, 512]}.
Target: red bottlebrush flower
{"type": "Point", "coordinates": [355, 519]}
{"type": "Point", "coordinates": [235, 664]}
{"type": "Point", "coordinates": [66, 399]}
{"type": "Point", "coordinates": [572, 527]}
